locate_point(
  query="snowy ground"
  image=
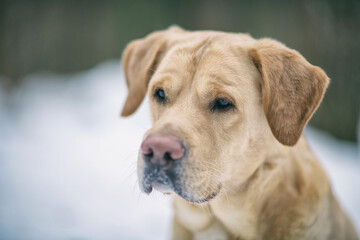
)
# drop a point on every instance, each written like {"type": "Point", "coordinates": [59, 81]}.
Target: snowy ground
{"type": "Point", "coordinates": [68, 162]}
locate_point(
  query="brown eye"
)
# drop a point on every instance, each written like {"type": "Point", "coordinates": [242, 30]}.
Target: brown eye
{"type": "Point", "coordinates": [160, 95]}
{"type": "Point", "coordinates": [221, 105]}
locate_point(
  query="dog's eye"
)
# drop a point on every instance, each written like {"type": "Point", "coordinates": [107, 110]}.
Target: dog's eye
{"type": "Point", "coordinates": [221, 105]}
{"type": "Point", "coordinates": [160, 95]}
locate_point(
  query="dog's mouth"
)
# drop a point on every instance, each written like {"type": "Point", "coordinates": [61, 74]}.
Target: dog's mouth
{"type": "Point", "coordinates": [167, 181]}
{"type": "Point", "coordinates": [159, 179]}
{"type": "Point", "coordinates": [161, 184]}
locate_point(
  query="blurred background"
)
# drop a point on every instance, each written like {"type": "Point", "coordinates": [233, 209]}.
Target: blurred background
{"type": "Point", "coordinates": [68, 36]}
{"type": "Point", "coordinates": [67, 160]}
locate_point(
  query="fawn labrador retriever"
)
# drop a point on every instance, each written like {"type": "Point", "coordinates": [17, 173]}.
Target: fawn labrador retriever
{"type": "Point", "coordinates": [228, 113]}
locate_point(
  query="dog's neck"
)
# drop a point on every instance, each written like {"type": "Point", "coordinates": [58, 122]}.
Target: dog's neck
{"type": "Point", "coordinates": [275, 186]}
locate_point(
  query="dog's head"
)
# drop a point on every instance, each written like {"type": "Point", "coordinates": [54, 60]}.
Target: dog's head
{"type": "Point", "coordinates": [217, 101]}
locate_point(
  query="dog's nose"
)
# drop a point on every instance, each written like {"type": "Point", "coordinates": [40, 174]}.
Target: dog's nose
{"type": "Point", "coordinates": [162, 149]}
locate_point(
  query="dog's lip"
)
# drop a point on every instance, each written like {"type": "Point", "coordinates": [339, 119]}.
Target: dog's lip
{"type": "Point", "coordinates": [160, 181]}
{"type": "Point", "coordinates": [201, 200]}
{"type": "Point", "coordinates": [156, 180]}
{"type": "Point", "coordinates": [157, 185]}
{"type": "Point", "coordinates": [206, 199]}
{"type": "Point", "coordinates": [147, 189]}
{"type": "Point", "coordinates": [161, 186]}
{"type": "Point", "coordinates": [166, 189]}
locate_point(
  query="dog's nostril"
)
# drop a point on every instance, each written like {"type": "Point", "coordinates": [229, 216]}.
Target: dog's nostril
{"type": "Point", "coordinates": [160, 149]}
{"type": "Point", "coordinates": [167, 156]}
{"type": "Point", "coordinates": [148, 155]}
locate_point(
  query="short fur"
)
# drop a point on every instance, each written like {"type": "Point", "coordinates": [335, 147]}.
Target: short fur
{"type": "Point", "coordinates": [240, 178]}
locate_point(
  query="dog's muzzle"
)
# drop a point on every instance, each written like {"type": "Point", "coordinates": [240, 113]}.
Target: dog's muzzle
{"type": "Point", "coordinates": [162, 154]}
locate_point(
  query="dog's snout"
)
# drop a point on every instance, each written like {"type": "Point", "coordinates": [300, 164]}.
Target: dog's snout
{"type": "Point", "coordinates": [161, 149]}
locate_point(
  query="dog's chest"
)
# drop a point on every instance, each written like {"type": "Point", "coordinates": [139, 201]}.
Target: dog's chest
{"type": "Point", "coordinates": [238, 219]}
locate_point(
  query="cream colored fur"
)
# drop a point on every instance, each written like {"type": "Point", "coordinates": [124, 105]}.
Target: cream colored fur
{"type": "Point", "coordinates": [249, 166]}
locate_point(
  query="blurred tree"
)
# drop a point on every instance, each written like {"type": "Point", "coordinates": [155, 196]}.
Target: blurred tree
{"type": "Point", "coordinates": [66, 36]}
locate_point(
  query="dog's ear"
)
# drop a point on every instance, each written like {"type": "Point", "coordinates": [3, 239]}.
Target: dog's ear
{"type": "Point", "coordinates": [292, 88]}
{"type": "Point", "coordinates": [140, 60]}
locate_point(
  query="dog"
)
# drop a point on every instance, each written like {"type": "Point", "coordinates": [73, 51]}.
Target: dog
{"type": "Point", "coordinates": [228, 113]}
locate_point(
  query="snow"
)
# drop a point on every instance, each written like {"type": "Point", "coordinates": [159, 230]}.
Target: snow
{"type": "Point", "coordinates": [68, 161]}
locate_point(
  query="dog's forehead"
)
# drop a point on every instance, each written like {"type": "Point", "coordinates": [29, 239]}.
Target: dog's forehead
{"type": "Point", "coordinates": [212, 66]}
{"type": "Point", "coordinates": [211, 57]}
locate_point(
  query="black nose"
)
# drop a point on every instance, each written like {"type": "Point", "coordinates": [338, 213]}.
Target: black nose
{"type": "Point", "coordinates": [162, 150]}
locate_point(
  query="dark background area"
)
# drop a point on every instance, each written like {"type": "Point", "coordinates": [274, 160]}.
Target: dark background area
{"type": "Point", "coordinates": [68, 36]}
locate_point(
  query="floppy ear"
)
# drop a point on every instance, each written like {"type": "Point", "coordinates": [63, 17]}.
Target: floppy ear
{"type": "Point", "coordinates": [140, 60]}
{"type": "Point", "coordinates": [292, 88]}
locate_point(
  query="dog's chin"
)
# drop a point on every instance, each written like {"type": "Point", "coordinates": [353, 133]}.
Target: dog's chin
{"type": "Point", "coordinates": [168, 182]}
{"type": "Point", "coordinates": [206, 199]}
{"type": "Point", "coordinates": [163, 188]}
{"type": "Point", "coordinates": [179, 190]}
{"type": "Point", "coordinates": [198, 200]}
